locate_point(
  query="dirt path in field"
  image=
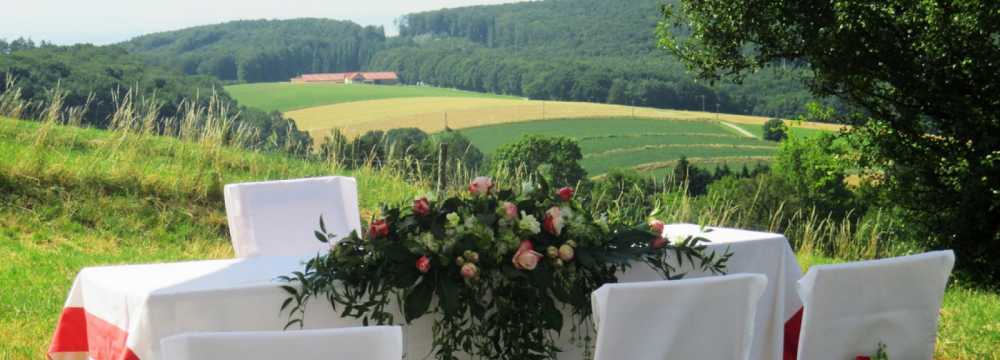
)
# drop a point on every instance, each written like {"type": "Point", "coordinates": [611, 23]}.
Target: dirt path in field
{"type": "Point", "coordinates": [739, 130]}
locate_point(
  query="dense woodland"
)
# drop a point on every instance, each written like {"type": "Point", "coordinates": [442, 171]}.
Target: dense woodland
{"type": "Point", "coordinates": [263, 50]}
{"type": "Point", "coordinates": [98, 78]}
{"type": "Point", "coordinates": [581, 50]}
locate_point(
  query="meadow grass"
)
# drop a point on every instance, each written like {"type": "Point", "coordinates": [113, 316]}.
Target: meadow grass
{"type": "Point", "coordinates": [286, 96]}
{"type": "Point", "coordinates": [72, 198]}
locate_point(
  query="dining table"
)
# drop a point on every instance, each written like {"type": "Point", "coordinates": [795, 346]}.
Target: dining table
{"type": "Point", "coordinates": [122, 312]}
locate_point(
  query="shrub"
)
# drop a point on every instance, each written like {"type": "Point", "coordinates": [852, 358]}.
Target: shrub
{"type": "Point", "coordinates": [775, 130]}
{"type": "Point", "coordinates": [556, 158]}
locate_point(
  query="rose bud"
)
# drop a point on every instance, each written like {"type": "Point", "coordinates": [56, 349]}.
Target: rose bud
{"type": "Point", "coordinates": [423, 264]}
{"type": "Point", "coordinates": [378, 228]}
{"type": "Point", "coordinates": [421, 206]}
{"type": "Point", "coordinates": [469, 271]}
{"type": "Point", "coordinates": [481, 185]}
{"type": "Point", "coordinates": [472, 256]}
{"type": "Point", "coordinates": [656, 226]}
{"type": "Point", "coordinates": [553, 223]}
{"type": "Point", "coordinates": [526, 259]}
{"type": "Point", "coordinates": [525, 245]}
{"type": "Point", "coordinates": [566, 253]}
{"type": "Point", "coordinates": [459, 261]}
{"type": "Point", "coordinates": [566, 193]}
{"type": "Point", "coordinates": [658, 243]}
{"type": "Point", "coordinates": [509, 210]}
{"type": "Point", "coordinates": [552, 252]}
{"type": "Point", "coordinates": [571, 243]}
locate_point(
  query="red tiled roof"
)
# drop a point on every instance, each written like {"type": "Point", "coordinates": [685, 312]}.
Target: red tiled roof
{"type": "Point", "coordinates": [372, 76]}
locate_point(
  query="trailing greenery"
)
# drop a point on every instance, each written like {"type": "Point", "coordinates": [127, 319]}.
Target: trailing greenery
{"type": "Point", "coordinates": [262, 50]}
{"type": "Point", "coordinates": [497, 297]}
{"type": "Point", "coordinates": [923, 74]}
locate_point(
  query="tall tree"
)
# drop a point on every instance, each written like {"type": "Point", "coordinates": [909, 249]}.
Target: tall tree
{"type": "Point", "coordinates": [923, 72]}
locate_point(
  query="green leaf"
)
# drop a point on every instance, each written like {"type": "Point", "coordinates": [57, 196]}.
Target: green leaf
{"type": "Point", "coordinates": [322, 225]}
{"type": "Point", "coordinates": [320, 236]}
{"type": "Point", "coordinates": [448, 293]}
{"type": "Point", "coordinates": [418, 300]}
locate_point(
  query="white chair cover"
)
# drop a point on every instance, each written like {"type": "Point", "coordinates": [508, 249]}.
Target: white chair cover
{"type": "Point", "coordinates": [850, 308]}
{"type": "Point", "coordinates": [705, 318]}
{"type": "Point", "coordinates": [368, 343]}
{"type": "Point", "coordinates": [279, 217]}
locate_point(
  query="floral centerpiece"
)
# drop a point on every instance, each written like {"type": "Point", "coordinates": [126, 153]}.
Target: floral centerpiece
{"type": "Point", "coordinates": [498, 267]}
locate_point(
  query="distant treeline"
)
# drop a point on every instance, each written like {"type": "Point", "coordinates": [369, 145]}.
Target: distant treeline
{"type": "Point", "coordinates": [582, 50]}
{"type": "Point", "coordinates": [263, 50]}
{"type": "Point", "coordinates": [96, 79]}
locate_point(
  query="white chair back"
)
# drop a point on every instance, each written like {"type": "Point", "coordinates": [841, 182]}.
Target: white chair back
{"type": "Point", "coordinates": [368, 343]}
{"type": "Point", "coordinates": [704, 318]}
{"type": "Point", "coordinates": [851, 308]}
{"type": "Point", "coordinates": [279, 217]}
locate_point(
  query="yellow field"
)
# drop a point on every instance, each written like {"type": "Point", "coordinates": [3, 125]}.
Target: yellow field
{"type": "Point", "coordinates": [431, 113]}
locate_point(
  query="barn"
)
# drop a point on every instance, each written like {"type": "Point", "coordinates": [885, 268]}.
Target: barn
{"type": "Point", "coordinates": [378, 78]}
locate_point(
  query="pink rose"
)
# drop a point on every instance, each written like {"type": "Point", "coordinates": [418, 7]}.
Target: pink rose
{"type": "Point", "coordinates": [509, 210]}
{"type": "Point", "coordinates": [423, 264]}
{"type": "Point", "coordinates": [378, 228]}
{"type": "Point", "coordinates": [566, 193]}
{"type": "Point", "coordinates": [566, 253]}
{"type": "Point", "coordinates": [481, 185]}
{"type": "Point", "coordinates": [469, 271]}
{"type": "Point", "coordinates": [658, 243]}
{"type": "Point", "coordinates": [421, 206]}
{"type": "Point", "coordinates": [553, 223]}
{"type": "Point", "coordinates": [656, 226]}
{"type": "Point", "coordinates": [526, 258]}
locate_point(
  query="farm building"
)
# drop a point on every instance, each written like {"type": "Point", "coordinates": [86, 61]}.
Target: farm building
{"type": "Point", "coordinates": [380, 78]}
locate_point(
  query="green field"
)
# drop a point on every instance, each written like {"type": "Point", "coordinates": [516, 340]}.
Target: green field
{"type": "Point", "coordinates": [287, 96]}
{"type": "Point", "coordinates": [647, 144]}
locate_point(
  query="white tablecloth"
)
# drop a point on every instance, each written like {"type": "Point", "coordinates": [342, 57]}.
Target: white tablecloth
{"type": "Point", "coordinates": [122, 312]}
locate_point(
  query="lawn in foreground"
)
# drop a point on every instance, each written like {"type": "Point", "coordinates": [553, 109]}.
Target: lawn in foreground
{"type": "Point", "coordinates": [286, 96]}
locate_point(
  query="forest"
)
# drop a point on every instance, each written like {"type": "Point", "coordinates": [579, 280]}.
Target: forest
{"type": "Point", "coordinates": [96, 80]}
{"type": "Point", "coordinates": [581, 50]}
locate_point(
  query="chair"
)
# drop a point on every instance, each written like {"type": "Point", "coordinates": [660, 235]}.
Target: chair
{"type": "Point", "coordinates": [850, 308]}
{"type": "Point", "coordinates": [279, 217]}
{"type": "Point", "coordinates": [361, 343]}
{"type": "Point", "coordinates": [705, 318]}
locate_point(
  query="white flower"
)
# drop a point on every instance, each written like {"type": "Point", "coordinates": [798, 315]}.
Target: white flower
{"type": "Point", "coordinates": [529, 223]}
{"type": "Point", "coordinates": [453, 219]}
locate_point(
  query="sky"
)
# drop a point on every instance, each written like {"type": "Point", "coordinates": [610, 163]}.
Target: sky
{"type": "Point", "coordinates": [109, 21]}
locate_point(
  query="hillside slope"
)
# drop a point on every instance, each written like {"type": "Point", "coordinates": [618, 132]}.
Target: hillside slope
{"type": "Point", "coordinates": [262, 50]}
{"type": "Point", "coordinates": [71, 198]}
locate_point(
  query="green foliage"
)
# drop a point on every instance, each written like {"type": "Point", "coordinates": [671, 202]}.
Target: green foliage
{"type": "Point", "coordinates": [262, 50]}
{"type": "Point", "coordinates": [501, 285]}
{"type": "Point", "coordinates": [816, 170]}
{"type": "Point", "coordinates": [919, 71]}
{"type": "Point", "coordinates": [775, 130]}
{"type": "Point", "coordinates": [555, 157]}
{"type": "Point", "coordinates": [95, 85]}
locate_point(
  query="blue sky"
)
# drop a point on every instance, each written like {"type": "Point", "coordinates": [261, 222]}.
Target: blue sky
{"type": "Point", "coordinates": [109, 21]}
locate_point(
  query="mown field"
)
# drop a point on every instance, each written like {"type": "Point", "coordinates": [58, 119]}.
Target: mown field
{"type": "Point", "coordinates": [285, 96]}
{"type": "Point", "coordinates": [432, 114]}
{"type": "Point", "coordinates": [72, 198]}
{"type": "Point", "coordinates": [644, 144]}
